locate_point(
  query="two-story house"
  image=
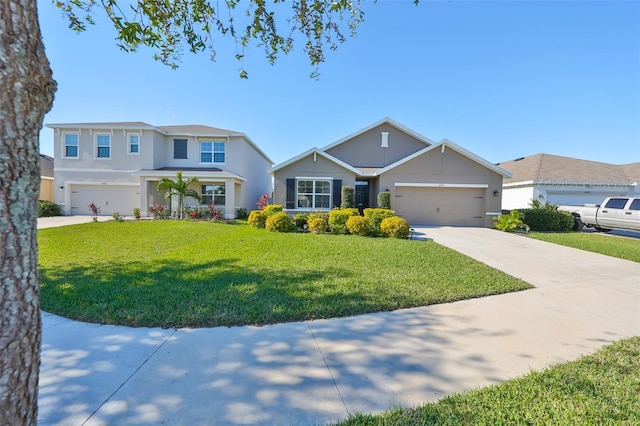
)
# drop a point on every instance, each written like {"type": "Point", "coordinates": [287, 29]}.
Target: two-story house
{"type": "Point", "coordinates": [117, 166]}
{"type": "Point", "coordinates": [431, 183]}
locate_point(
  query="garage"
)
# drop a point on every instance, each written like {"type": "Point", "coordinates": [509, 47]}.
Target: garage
{"type": "Point", "coordinates": [443, 205]}
{"type": "Point", "coordinates": [109, 198]}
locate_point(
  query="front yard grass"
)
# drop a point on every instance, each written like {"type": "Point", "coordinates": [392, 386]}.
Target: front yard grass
{"type": "Point", "coordinates": [598, 389]}
{"type": "Point", "coordinates": [202, 274]}
{"type": "Point", "coordinates": [624, 248]}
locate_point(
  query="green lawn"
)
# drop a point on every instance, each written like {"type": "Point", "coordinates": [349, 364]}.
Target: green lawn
{"type": "Point", "coordinates": [599, 389]}
{"type": "Point", "coordinates": [200, 274]}
{"type": "Point", "coordinates": [624, 248]}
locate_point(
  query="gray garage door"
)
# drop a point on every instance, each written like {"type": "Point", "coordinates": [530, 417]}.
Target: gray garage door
{"type": "Point", "coordinates": [440, 206]}
{"type": "Point", "coordinates": [110, 199]}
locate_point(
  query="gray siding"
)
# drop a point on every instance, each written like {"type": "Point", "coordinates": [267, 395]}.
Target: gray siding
{"type": "Point", "coordinates": [364, 150]}
{"type": "Point", "coordinates": [306, 167]}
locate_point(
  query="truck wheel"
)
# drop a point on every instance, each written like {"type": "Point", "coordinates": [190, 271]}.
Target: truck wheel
{"type": "Point", "coordinates": [602, 229]}
{"type": "Point", "coordinates": [577, 224]}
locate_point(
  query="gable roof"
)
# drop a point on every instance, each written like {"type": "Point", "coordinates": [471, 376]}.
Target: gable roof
{"type": "Point", "coordinates": [46, 165]}
{"type": "Point", "coordinates": [385, 120]}
{"type": "Point", "coordinates": [443, 144]}
{"type": "Point", "coordinates": [316, 151]}
{"type": "Point", "coordinates": [541, 168]}
{"type": "Point", "coordinates": [183, 130]}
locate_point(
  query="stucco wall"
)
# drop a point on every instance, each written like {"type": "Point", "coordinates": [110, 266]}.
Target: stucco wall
{"type": "Point", "coordinates": [365, 150]}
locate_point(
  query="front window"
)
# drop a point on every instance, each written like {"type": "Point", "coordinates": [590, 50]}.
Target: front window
{"type": "Point", "coordinates": [212, 152]}
{"type": "Point", "coordinates": [134, 144]}
{"type": "Point", "coordinates": [71, 145]}
{"type": "Point", "coordinates": [314, 194]}
{"type": "Point", "coordinates": [213, 194]}
{"type": "Point", "coordinates": [103, 146]}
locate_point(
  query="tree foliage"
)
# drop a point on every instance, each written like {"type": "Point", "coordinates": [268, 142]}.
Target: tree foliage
{"type": "Point", "coordinates": [170, 27]}
{"type": "Point", "coordinates": [179, 188]}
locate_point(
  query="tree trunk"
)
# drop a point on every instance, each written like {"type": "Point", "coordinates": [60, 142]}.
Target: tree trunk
{"type": "Point", "coordinates": [26, 95]}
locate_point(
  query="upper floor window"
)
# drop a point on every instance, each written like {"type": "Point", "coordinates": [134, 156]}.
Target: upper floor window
{"type": "Point", "coordinates": [212, 152]}
{"type": "Point", "coordinates": [71, 145]}
{"type": "Point", "coordinates": [180, 148]}
{"type": "Point", "coordinates": [315, 194]}
{"type": "Point", "coordinates": [134, 144]}
{"type": "Point", "coordinates": [103, 145]}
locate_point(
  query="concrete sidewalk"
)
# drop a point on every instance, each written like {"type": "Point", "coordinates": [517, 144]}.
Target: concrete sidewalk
{"type": "Point", "coordinates": [321, 371]}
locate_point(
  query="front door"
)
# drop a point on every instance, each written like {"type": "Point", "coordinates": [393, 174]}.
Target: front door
{"type": "Point", "coordinates": [362, 195]}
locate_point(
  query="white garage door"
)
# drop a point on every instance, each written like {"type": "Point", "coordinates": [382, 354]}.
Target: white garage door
{"type": "Point", "coordinates": [109, 198]}
{"type": "Point", "coordinates": [441, 206]}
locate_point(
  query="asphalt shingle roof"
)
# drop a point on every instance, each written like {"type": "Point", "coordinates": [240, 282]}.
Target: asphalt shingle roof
{"type": "Point", "coordinates": [547, 167]}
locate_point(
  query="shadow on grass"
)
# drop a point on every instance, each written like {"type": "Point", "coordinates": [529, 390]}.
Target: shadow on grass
{"type": "Point", "coordinates": [185, 294]}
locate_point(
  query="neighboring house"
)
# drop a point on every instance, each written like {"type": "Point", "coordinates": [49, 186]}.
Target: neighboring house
{"type": "Point", "coordinates": [564, 180]}
{"type": "Point", "coordinates": [117, 166]}
{"type": "Point", "coordinates": [46, 178]}
{"type": "Point", "coordinates": [430, 183]}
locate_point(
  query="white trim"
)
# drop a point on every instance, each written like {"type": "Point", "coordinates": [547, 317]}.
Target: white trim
{"type": "Point", "coordinates": [454, 147]}
{"type": "Point", "coordinates": [128, 136]}
{"type": "Point", "coordinates": [313, 178]}
{"type": "Point", "coordinates": [93, 183]}
{"type": "Point", "coordinates": [72, 169]}
{"type": "Point", "coordinates": [46, 178]}
{"type": "Point", "coordinates": [443, 185]}
{"type": "Point", "coordinates": [64, 145]}
{"type": "Point", "coordinates": [156, 174]}
{"type": "Point", "coordinates": [321, 153]}
{"type": "Point", "coordinates": [492, 213]}
{"type": "Point", "coordinates": [95, 141]}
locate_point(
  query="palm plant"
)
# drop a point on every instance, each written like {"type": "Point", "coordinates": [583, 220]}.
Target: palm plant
{"type": "Point", "coordinates": [180, 188]}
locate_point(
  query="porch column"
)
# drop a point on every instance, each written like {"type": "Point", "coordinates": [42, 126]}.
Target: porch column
{"type": "Point", "coordinates": [229, 199]}
{"type": "Point", "coordinates": [144, 189]}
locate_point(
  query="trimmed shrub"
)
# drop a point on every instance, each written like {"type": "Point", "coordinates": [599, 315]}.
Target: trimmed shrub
{"type": "Point", "coordinates": [241, 213]}
{"type": "Point", "coordinates": [509, 222]}
{"type": "Point", "coordinates": [136, 213]}
{"type": "Point", "coordinates": [384, 200]}
{"type": "Point", "coordinates": [300, 220]}
{"type": "Point", "coordinates": [271, 209]}
{"type": "Point", "coordinates": [257, 219]}
{"type": "Point", "coordinates": [338, 220]}
{"type": "Point", "coordinates": [48, 209]}
{"type": "Point", "coordinates": [318, 214]}
{"type": "Point", "coordinates": [348, 197]}
{"type": "Point", "coordinates": [394, 227]}
{"type": "Point", "coordinates": [317, 225]}
{"type": "Point", "coordinates": [548, 220]}
{"type": "Point", "coordinates": [376, 216]}
{"type": "Point", "coordinates": [358, 225]}
{"type": "Point", "coordinates": [278, 222]}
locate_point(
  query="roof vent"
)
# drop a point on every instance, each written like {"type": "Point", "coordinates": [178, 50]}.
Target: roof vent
{"type": "Point", "coordinates": [385, 140]}
{"type": "Point", "coordinates": [518, 159]}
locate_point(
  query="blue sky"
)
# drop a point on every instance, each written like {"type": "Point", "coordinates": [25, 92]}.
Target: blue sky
{"type": "Point", "coordinates": [504, 79]}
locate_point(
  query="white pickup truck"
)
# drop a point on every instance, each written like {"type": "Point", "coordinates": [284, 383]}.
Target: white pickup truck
{"type": "Point", "coordinates": [614, 212]}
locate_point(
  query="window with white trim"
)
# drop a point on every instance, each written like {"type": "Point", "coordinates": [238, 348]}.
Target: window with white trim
{"type": "Point", "coordinates": [134, 144]}
{"type": "Point", "coordinates": [213, 194]}
{"type": "Point", "coordinates": [71, 145]}
{"type": "Point", "coordinates": [212, 152]}
{"type": "Point", "coordinates": [314, 194]}
{"type": "Point", "coordinates": [103, 145]}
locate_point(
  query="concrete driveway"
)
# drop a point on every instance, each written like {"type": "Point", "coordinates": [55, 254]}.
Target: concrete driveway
{"type": "Point", "coordinates": [316, 372]}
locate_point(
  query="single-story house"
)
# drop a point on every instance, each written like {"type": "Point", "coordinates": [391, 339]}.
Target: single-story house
{"type": "Point", "coordinates": [431, 183]}
{"type": "Point", "coordinates": [564, 180]}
